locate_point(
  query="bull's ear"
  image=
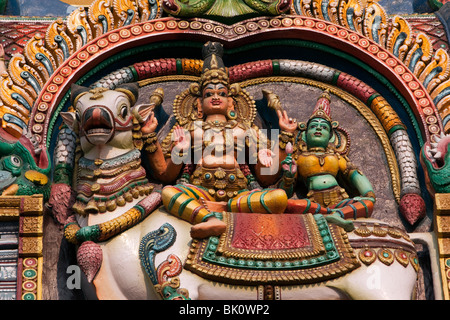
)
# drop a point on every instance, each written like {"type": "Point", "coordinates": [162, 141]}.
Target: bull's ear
{"type": "Point", "coordinates": [131, 90]}
{"type": "Point", "coordinates": [76, 91]}
{"type": "Point", "coordinates": [69, 118]}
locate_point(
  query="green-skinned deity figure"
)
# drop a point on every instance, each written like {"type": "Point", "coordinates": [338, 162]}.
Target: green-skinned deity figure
{"type": "Point", "coordinates": [319, 161]}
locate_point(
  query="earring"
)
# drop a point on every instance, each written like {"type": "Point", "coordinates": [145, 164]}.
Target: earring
{"type": "Point", "coordinates": [198, 106]}
{"type": "Point", "coordinates": [231, 114]}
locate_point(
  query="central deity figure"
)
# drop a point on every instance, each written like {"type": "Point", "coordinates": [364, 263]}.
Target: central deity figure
{"type": "Point", "coordinates": [214, 144]}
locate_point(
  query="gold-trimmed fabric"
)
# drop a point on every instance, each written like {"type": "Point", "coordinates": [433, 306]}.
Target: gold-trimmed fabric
{"type": "Point", "coordinates": [324, 255]}
{"type": "Point", "coordinates": [270, 237]}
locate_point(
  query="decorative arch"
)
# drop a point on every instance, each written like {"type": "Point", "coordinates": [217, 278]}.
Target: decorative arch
{"type": "Point", "coordinates": [249, 31]}
{"type": "Point", "coordinates": [370, 104]}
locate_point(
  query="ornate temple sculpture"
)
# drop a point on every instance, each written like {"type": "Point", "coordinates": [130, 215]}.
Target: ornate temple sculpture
{"type": "Point", "coordinates": [249, 243]}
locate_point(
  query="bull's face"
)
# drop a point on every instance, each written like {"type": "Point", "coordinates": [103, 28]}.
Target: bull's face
{"type": "Point", "coordinates": [96, 125]}
{"type": "Point", "coordinates": [100, 118]}
{"type": "Point", "coordinates": [101, 115]}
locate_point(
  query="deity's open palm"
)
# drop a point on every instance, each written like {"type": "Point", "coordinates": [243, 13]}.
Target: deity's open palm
{"type": "Point", "coordinates": [179, 138]}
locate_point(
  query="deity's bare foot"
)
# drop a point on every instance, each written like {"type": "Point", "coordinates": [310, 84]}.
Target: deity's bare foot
{"type": "Point", "coordinates": [336, 219]}
{"type": "Point", "coordinates": [211, 227]}
{"type": "Point", "coordinates": [216, 206]}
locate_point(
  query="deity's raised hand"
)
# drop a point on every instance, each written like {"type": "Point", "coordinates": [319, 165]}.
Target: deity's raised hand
{"type": "Point", "coordinates": [286, 123]}
{"type": "Point", "coordinates": [150, 125]}
{"type": "Point", "coordinates": [179, 138]}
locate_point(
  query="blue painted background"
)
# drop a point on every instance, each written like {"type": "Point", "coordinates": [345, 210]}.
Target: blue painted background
{"type": "Point", "coordinates": [37, 8]}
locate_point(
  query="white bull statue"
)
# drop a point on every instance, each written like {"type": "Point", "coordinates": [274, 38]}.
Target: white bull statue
{"type": "Point", "coordinates": [130, 247]}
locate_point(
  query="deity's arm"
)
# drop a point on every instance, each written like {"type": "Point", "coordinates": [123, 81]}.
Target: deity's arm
{"type": "Point", "coordinates": [286, 149]}
{"type": "Point", "coordinates": [288, 128]}
{"type": "Point", "coordinates": [162, 166]}
{"type": "Point", "coordinates": [356, 178]}
{"type": "Point", "coordinates": [264, 162]}
{"type": "Point", "coordinates": [288, 170]}
{"type": "Point", "coordinates": [160, 161]}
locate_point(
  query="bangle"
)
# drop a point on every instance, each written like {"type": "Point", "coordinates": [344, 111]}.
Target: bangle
{"type": "Point", "coordinates": [150, 140]}
{"type": "Point", "coordinates": [217, 215]}
{"type": "Point", "coordinates": [370, 194]}
{"type": "Point", "coordinates": [151, 148]}
{"type": "Point", "coordinates": [284, 138]}
{"type": "Point", "coordinates": [151, 135]}
{"type": "Point", "coordinates": [150, 144]}
{"type": "Point", "coordinates": [288, 181]}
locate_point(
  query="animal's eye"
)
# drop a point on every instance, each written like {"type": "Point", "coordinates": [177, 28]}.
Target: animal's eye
{"type": "Point", "coordinates": [124, 111]}
{"type": "Point", "coordinates": [13, 164]}
{"type": "Point", "coordinates": [16, 161]}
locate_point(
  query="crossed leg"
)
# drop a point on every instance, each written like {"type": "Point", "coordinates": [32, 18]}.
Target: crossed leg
{"type": "Point", "coordinates": [194, 204]}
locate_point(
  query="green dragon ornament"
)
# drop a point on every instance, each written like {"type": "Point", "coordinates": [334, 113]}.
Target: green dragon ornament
{"type": "Point", "coordinates": [435, 159]}
{"type": "Point", "coordinates": [24, 168]}
{"type": "Point", "coordinates": [224, 9]}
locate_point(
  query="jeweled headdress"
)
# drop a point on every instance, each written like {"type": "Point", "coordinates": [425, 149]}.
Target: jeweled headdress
{"type": "Point", "coordinates": [322, 108]}
{"type": "Point", "coordinates": [340, 139]}
{"type": "Point", "coordinates": [214, 70]}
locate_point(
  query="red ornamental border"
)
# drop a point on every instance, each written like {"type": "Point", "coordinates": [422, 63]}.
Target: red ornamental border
{"type": "Point", "coordinates": [249, 31]}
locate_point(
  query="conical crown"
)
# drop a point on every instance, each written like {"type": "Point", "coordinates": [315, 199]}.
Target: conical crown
{"type": "Point", "coordinates": [322, 108]}
{"type": "Point", "coordinates": [214, 70]}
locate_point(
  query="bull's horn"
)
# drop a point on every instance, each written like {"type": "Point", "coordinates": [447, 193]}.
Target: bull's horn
{"type": "Point", "coordinates": [131, 90]}
{"type": "Point", "coordinates": [76, 91]}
